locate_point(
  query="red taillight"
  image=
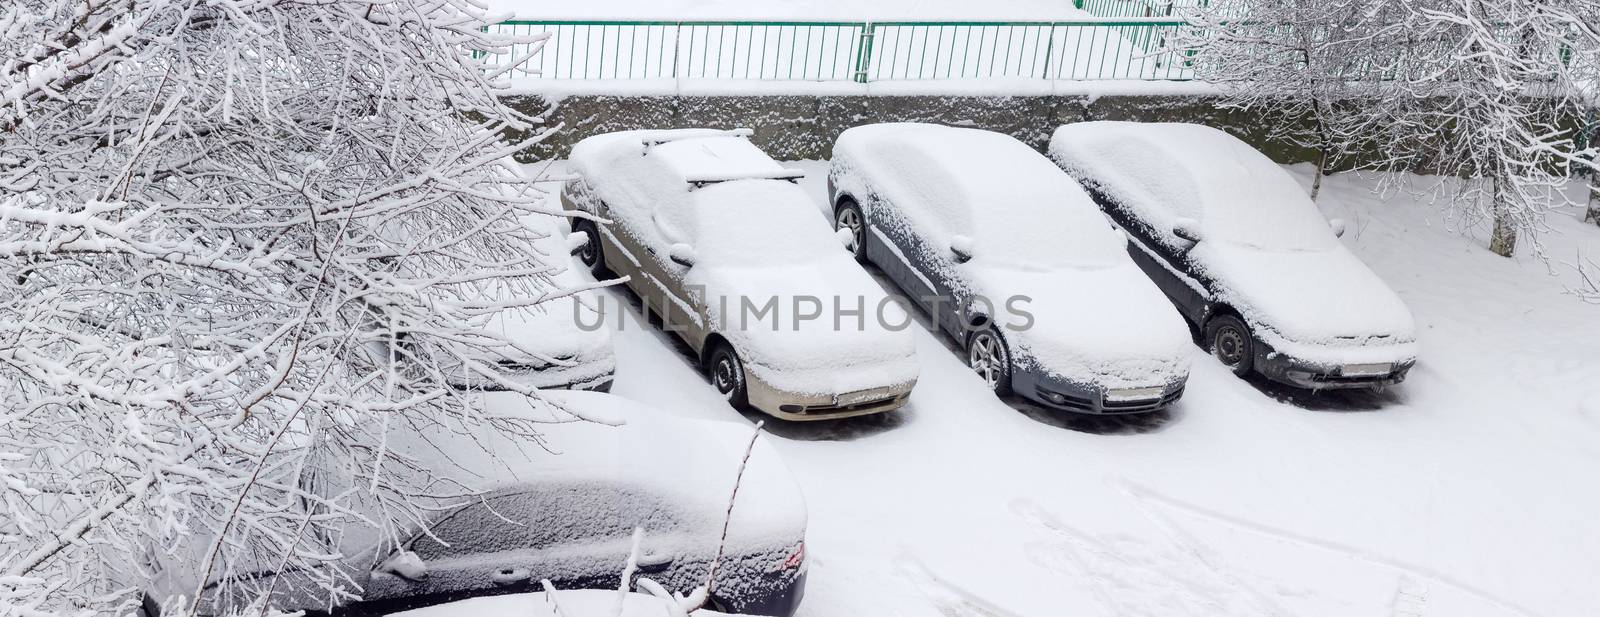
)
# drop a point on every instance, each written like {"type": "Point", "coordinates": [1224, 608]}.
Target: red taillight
{"type": "Point", "coordinates": [796, 558]}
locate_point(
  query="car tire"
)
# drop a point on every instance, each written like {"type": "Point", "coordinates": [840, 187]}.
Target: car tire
{"type": "Point", "coordinates": [988, 357]}
{"type": "Point", "coordinates": [1229, 339]}
{"type": "Point", "coordinates": [848, 216]}
{"type": "Point", "coordinates": [590, 253]}
{"type": "Point", "coordinates": [726, 373]}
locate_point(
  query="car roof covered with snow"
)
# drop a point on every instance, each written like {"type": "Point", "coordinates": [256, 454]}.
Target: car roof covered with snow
{"type": "Point", "coordinates": [1168, 171]}
{"type": "Point", "coordinates": [617, 446]}
{"type": "Point", "coordinates": [709, 188]}
{"type": "Point", "coordinates": [1018, 208]}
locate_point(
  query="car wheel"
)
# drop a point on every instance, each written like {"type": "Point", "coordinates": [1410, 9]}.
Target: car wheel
{"type": "Point", "coordinates": [1230, 341]}
{"type": "Point", "coordinates": [590, 253]}
{"type": "Point", "coordinates": [727, 375]}
{"type": "Point", "coordinates": [987, 356]}
{"type": "Point", "coordinates": [849, 217]}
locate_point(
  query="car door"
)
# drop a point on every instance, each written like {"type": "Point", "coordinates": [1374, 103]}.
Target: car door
{"type": "Point", "coordinates": [1168, 267]}
{"type": "Point", "coordinates": [682, 308]}
{"type": "Point", "coordinates": [916, 231]}
{"type": "Point", "coordinates": [634, 246]}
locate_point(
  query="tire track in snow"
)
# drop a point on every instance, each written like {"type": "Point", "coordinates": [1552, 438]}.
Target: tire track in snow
{"type": "Point", "coordinates": [1407, 602]}
{"type": "Point", "coordinates": [948, 597]}
{"type": "Point", "coordinates": [1131, 576]}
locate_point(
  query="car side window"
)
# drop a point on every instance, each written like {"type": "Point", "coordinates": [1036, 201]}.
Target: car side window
{"type": "Point", "coordinates": [929, 201]}
{"type": "Point", "coordinates": [555, 515]}
{"type": "Point", "coordinates": [1154, 201]}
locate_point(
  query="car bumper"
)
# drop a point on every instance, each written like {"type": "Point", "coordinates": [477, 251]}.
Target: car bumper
{"type": "Point", "coordinates": [1065, 395]}
{"type": "Point", "coordinates": [796, 406]}
{"type": "Point", "coordinates": [1310, 375]}
{"type": "Point", "coordinates": [781, 601]}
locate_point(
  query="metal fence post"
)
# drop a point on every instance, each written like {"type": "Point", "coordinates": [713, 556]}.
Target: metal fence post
{"type": "Point", "coordinates": [677, 44]}
{"type": "Point", "coordinates": [864, 51]}
{"type": "Point", "coordinates": [1049, 50]}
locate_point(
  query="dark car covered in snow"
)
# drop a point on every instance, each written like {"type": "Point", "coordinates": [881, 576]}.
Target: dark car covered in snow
{"type": "Point", "coordinates": [562, 508]}
{"type": "Point", "coordinates": [1013, 261]}
{"type": "Point", "coordinates": [1243, 252]}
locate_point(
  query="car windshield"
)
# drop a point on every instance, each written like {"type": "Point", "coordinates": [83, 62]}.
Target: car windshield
{"type": "Point", "coordinates": [1019, 210]}
{"type": "Point", "coordinates": [1265, 210]}
{"type": "Point", "coordinates": [1054, 234]}
{"type": "Point", "coordinates": [757, 223]}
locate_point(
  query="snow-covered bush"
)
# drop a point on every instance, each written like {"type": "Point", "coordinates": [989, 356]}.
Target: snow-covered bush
{"type": "Point", "coordinates": [1489, 90]}
{"type": "Point", "coordinates": [237, 239]}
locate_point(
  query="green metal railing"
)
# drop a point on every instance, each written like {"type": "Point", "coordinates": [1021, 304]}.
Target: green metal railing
{"type": "Point", "coordinates": [850, 51]}
{"type": "Point", "coordinates": [1138, 8]}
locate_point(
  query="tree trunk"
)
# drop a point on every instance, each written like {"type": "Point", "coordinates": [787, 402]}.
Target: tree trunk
{"type": "Point", "coordinates": [1592, 215]}
{"type": "Point", "coordinates": [1324, 145]}
{"type": "Point", "coordinates": [1322, 170]}
{"type": "Point", "coordinates": [1503, 240]}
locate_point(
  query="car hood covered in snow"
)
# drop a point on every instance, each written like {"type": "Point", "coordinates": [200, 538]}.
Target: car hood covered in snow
{"type": "Point", "coordinates": [813, 355]}
{"type": "Point", "coordinates": [1110, 325]}
{"type": "Point", "coordinates": [1320, 298]}
{"type": "Point", "coordinates": [551, 329]}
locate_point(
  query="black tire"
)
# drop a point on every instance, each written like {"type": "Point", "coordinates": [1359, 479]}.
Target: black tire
{"type": "Point", "coordinates": [1229, 339]}
{"type": "Point", "coordinates": [726, 373]}
{"type": "Point", "coordinates": [988, 357]}
{"type": "Point", "coordinates": [848, 215]}
{"type": "Point", "coordinates": [590, 253]}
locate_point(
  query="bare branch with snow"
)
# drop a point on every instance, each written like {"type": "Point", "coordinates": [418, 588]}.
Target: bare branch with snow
{"type": "Point", "coordinates": [240, 238]}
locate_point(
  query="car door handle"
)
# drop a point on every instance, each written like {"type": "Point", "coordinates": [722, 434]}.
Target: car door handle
{"type": "Point", "coordinates": [654, 562]}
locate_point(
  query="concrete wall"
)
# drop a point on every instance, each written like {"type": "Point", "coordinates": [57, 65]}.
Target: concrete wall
{"type": "Point", "coordinates": [804, 127]}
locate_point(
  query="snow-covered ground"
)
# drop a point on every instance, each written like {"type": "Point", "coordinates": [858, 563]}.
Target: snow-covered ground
{"type": "Point", "coordinates": [1468, 491]}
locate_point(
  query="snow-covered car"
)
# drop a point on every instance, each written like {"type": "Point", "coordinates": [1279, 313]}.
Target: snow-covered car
{"type": "Point", "coordinates": [562, 506]}
{"type": "Point", "coordinates": [1012, 259]}
{"type": "Point", "coordinates": [560, 603]}
{"type": "Point", "coordinates": [548, 345]}
{"type": "Point", "coordinates": [716, 239]}
{"type": "Point", "coordinates": [1244, 254]}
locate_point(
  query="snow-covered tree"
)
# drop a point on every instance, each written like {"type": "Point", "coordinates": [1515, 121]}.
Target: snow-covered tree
{"type": "Point", "coordinates": [1485, 90]}
{"type": "Point", "coordinates": [239, 239]}
{"type": "Point", "coordinates": [1293, 65]}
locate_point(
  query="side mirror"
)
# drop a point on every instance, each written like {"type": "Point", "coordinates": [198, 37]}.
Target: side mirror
{"type": "Point", "coordinates": [961, 247]}
{"type": "Point", "coordinates": [1187, 230]}
{"type": "Point", "coordinates": [577, 240]}
{"type": "Point", "coordinates": [681, 254]}
{"type": "Point", "coordinates": [1338, 227]}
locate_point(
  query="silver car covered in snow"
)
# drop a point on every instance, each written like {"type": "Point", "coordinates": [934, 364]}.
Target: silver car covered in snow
{"type": "Point", "coordinates": [716, 239]}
